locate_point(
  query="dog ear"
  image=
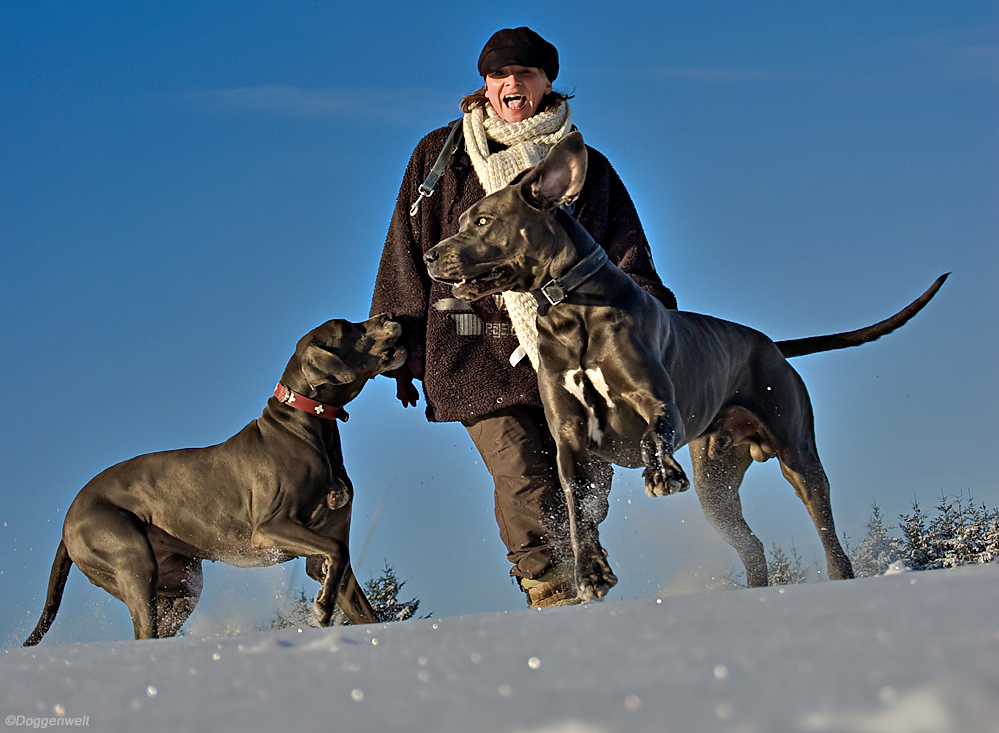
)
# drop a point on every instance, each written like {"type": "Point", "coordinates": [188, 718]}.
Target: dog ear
{"type": "Point", "coordinates": [320, 366]}
{"type": "Point", "coordinates": [558, 179]}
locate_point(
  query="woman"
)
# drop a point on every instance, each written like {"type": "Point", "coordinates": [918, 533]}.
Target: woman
{"type": "Point", "coordinates": [469, 356]}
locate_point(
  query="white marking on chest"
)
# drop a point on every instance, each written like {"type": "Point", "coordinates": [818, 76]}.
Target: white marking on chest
{"type": "Point", "coordinates": [596, 378]}
{"type": "Point", "coordinates": [575, 383]}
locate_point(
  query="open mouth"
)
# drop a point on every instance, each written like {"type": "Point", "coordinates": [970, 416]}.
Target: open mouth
{"type": "Point", "coordinates": [515, 102]}
{"type": "Point", "coordinates": [473, 288]}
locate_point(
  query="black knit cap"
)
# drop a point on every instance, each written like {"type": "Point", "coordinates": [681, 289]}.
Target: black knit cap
{"type": "Point", "coordinates": [520, 47]}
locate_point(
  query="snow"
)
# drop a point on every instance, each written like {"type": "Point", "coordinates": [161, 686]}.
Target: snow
{"type": "Point", "coordinates": [914, 652]}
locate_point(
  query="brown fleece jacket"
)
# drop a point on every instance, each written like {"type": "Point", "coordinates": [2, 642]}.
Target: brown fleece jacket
{"type": "Point", "coordinates": [466, 347]}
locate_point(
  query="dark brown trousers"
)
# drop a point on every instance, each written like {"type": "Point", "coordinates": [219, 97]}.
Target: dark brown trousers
{"type": "Point", "coordinates": [519, 453]}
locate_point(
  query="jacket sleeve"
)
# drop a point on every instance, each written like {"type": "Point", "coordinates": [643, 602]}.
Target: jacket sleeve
{"type": "Point", "coordinates": [402, 285]}
{"type": "Point", "coordinates": [606, 210]}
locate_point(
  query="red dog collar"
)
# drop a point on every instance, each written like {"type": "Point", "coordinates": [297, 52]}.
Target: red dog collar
{"type": "Point", "coordinates": [311, 407]}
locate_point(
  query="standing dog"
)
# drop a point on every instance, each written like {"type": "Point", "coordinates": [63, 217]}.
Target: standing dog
{"type": "Point", "coordinates": [626, 382]}
{"type": "Point", "coordinates": [274, 491]}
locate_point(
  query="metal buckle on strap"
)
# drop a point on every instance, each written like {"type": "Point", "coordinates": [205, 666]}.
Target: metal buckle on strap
{"type": "Point", "coordinates": [553, 293]}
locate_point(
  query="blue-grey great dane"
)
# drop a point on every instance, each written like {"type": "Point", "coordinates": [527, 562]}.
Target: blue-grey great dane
{"type": "Point", "coordinates": [625, 381]}
{"type": "Point", "coordinates": [274, 491]}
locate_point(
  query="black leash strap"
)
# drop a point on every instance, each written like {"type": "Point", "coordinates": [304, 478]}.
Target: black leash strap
{"type": "Point", "coordinates": [451, 146]}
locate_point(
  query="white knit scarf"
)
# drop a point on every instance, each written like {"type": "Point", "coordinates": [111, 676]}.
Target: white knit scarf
{"type": "Point", "coordinates": [528, 142]}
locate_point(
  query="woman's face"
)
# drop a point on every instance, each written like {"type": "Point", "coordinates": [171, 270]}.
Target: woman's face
{"type": "Point", "coordinates": [515, 92]}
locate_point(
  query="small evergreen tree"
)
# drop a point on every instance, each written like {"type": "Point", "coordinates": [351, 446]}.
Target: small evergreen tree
{"type": "Point", "coordinates": [960, 533]}
{"type": "Point", "coordinates": [784, 570]}
{"type": "Point", "coordinates": [734, 579]}
{"type": "Point", "coordinates": [299, 614]}
{"type": "Point", "coordinates": [876, 551]}
{"type": "Point", "coordinates": [382, 593]}
{"type": "Point", "coordinates": [968, 529]}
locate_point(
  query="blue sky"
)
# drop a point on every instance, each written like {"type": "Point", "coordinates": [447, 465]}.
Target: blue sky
{"type": "Point", "coordinates": [186, 190]}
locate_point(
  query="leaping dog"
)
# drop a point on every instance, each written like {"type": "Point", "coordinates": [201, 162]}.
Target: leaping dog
{"type": "Point", "coordinates": [625, 381]}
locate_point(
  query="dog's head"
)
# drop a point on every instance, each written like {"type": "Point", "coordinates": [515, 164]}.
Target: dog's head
{"type": "Point", "coordinates": [332, 362]}
{"type": "Point", "coordinates": [510, 240]}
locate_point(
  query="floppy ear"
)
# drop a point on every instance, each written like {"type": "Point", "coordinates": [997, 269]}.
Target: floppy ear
{"type": "Point", "coordinates": [320, 366]}
{"type": "Point", "coordinates": [558, 179]}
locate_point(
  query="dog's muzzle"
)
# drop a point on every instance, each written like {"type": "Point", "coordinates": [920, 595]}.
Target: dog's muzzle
{"type": "Point", "coordinates": [385, 331]}
{"type": "Point", "coordinates": [464, 285]}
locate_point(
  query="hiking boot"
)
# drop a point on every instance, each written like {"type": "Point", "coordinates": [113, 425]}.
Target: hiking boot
{"type": "Point", "coordinates": [556, 587]}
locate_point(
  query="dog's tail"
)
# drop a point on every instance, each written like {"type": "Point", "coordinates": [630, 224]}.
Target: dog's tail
{"type": "Point", "coordinates": [57, 583]}
{"type": "Point", "coordinates": [815, 344]}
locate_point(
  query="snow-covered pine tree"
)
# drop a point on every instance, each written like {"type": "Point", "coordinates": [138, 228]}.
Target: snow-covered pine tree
{"type": "Point", "coordinates": [992, 535]}
{"type": "Point", "coordinates": [382, 592]}
{"type": "Point", "coordinates": [977, 538]}
{"type": "Point", "coordinates": [783, 570]}
{"type": "Point", "coordinates": [959, 534]}
{"type": "Point", "coordinates": [298, 614]}
{"type": "Point", "coordinates": [876, 551]}
{"type": "Point", "coordinates": [912, 546]}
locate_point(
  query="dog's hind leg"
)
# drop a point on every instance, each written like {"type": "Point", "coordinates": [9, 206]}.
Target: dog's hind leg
{"type": "Point", "coordinates": [180, 584]}
{"type": "Point", "coordinates": [784, 408]}
{"type": "Point", "coordinates": [110, 546]}
{"type": "Point", "coordinates": [812, 486]}
{"type": "Point", "coordinates": [717, 479]}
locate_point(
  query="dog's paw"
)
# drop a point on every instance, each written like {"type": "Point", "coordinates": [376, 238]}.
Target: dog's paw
{"type": "Point", "coordinates": [654, 484]}
{"type": "Point", "coordinates": [665, 480]}
{"type": "Point", "coordinates": [663, 475]}
{"type": "Point", "coordinates": [676, 479]}
{"type": "Point", "coordinates": [594, 579]}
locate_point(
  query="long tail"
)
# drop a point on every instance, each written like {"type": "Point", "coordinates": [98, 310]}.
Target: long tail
{"type": "Point", "coordinates": [815, 344]}
{"type": "Point", "coordinates": [57, 583]}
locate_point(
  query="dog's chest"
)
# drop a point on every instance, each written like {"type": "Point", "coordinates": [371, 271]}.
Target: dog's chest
{"type": "Point", "coordinates": [590, 388]}
{"type": "Point", "coordinates": [605, 414]}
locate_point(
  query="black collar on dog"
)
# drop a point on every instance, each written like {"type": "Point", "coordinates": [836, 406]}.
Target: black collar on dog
{"type": "Point", "coordinates": [559, 290]}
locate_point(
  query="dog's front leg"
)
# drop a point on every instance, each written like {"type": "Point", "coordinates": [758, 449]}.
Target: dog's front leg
{"type": "Point", "coordinates": [663, 475]}
{"type": "Point", "coordinates": [352, 601]}
{"type": "Point", "coordinates": [594, 577]}
{"type": "Point", "coordinates": [586, 484]}
{"type": "Point", "coordinates": [350, 598]}
{"type": "Point", "coordinates": [646, 386]}
{"type": "Point", "coordinates": [294, 539]}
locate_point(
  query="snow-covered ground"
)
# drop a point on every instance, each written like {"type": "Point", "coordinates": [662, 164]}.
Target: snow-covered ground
{"type": "Point", "coordinates": [910, 652]}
